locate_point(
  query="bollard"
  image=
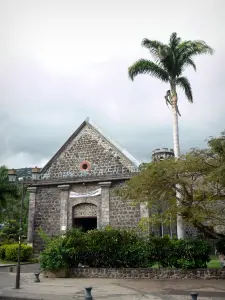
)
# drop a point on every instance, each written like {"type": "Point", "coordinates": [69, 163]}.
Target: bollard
{"type": "Point", "coordinates": [37, 279]}
{"type": "Point", "coordinates": [11, 269]}
{"type": "Point", "coordinates": [194, 295]}
{"type": "Point", "coordinates": [88, 295]}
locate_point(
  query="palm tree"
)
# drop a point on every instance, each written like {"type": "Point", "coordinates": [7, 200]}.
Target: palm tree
{"type": "Point", "coordinates": [169, 63]}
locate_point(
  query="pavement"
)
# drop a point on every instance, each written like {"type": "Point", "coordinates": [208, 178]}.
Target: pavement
{"type": "Point", "coordinates": [114, 289]}
{"type": "Point", "coordinates": [26, 268]}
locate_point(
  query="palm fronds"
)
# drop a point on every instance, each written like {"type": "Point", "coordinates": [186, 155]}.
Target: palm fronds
{"type": "Point", "coordinates": [144, 66]}
{"type": "Point", "coordinates": [184, 83]}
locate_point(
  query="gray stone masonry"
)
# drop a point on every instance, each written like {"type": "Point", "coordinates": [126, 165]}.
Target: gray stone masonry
{"type": "Point", "coordinates": [92, 203]}
{"type": "Point", "coordinates": [85, 210]}
{"type": "Point", "coordinates": [47, 214]}
{"type": "Point", "coordinates": [123, 214]}
{"type": "Point", "coordinates": [105, 203]}
{"type": "Point", "coordinates": [55, 209]}
{"type": "Point", "coordinates": [88, 145]}
{"type": "Point", "coordinates": [129, 273]}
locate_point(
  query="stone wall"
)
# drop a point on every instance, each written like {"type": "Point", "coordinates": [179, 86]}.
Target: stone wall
{"type": "Point", "coordinates": [88, 202]}
{"type": "Point", "coordinates": [88, 145]}
{"type": "Point", "coordinates": [47, 213]}
{"type": "Point", "coordinates": [122, 213]}
{"type": "Point", "coordinates": [85, 210]}
{"type": "Point", "coordinates": [129, 273]}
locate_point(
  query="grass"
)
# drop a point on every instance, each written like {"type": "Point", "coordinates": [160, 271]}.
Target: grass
{"type": "Point", "coordinates": [214, 263]}
{"type": "Point", "coordinates": [3, 262]}
{"type": "Point", "coordinates": [32, 260]}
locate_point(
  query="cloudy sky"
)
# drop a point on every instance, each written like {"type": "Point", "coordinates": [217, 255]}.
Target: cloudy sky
{"type": "Point", "coordinates": [64, 60]}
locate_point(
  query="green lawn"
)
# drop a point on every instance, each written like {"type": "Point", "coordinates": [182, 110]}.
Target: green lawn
{"type": "Point", "coordinates": [3, 262]}
{"type": "Point", "coordinates": [32, 260]}
{"type": "Point", "coordinates": [214, 263]}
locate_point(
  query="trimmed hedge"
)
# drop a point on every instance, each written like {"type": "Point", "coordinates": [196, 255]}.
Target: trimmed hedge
{"type": "Point", "coordinates": [10, 252]}
{"type": "Point", "coordinates": [185, 254]}
{"type": "Point", "coordinates": [111, 248]}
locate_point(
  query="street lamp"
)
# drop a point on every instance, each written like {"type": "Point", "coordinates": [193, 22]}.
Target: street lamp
{"type": "Point", "coordinates": [13, 178]}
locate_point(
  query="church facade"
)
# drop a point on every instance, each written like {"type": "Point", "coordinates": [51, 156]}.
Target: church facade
{"type": "Point", "coordinates": [77, 187]}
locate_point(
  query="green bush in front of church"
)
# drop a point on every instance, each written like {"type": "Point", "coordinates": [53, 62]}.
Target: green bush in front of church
{"type": "Point", "coordinates": [114, 248]}
{"type": "Point", "coordinates": [111, 248]}
{"type": "Point", "coordinates": [178, 253]}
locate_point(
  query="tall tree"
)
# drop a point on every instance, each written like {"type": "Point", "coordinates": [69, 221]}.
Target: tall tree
{"type": "Point", "coordinates": [7, 189]}
{"type": "Point", "coordinates": [170, 61]}
{"type": "Point", "coordinates": [10, 203]}
{"type": "Point", "coordinates": [198, 176]}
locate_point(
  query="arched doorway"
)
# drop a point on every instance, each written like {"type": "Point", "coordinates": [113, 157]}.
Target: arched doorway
{"type": "Point", "coordinates": [85, 216]}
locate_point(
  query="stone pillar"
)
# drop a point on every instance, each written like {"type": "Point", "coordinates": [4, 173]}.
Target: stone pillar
{"type": "Point", "coordinates": [105, 203]}
{"type": "Point", "coordinates": [32, 199]}
{"type": "Point", "coordinates": [144, 212]}
{"type": "Point", "coordinates": [64, 196]}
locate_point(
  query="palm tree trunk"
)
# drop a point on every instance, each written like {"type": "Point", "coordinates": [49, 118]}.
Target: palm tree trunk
{"type": "Point", "coordinates": [176, 142]}
{"type": "Point", "coordinates": [176, 145]}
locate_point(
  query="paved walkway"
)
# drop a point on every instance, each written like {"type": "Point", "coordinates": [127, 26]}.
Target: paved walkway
{"type": "Point", "coordinates": [26, 268]}
{"type": "Point", "coordinates": [114, 289]}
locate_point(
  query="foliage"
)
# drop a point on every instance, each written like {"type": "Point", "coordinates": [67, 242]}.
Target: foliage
{"type": "Point", "coordinates": [11, 252]}
{"type": "Point", "coordinates": [220, 246]}
{"type": "Point", "coordinates": [193, 253]}
{"type": "Point", "coordinates": [10, 204]}
{"type": "Point", "coordinates": [10, 231]}
{"type": "Point", "coordinates": [178, 253]}
{"type": "Point", "coordinates": [2, 252]}
{"type": "Point", "coordinates": [96, 248]}
{"type": "Point", "coordinates": [113, 248]}
{"type": "Point", "coordinates": [55, 256]}
{"type": "Point", "coordinates": [116, 248]}
{"type": "Point", "coordinates": [161, 250]}
{"type": "Point", "coordinates": [170, 61]}
{"type": "Point", "coordinates": [8, 190]}
{"type": "Point", "coordinates": [198, 176]}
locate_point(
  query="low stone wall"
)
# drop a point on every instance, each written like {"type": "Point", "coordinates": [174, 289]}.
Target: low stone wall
{"type": "Point", "coordinates": [147, 273]}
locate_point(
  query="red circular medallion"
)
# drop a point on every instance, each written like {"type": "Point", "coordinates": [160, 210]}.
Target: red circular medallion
{"type": "Point", "coordinates": [85, 165]}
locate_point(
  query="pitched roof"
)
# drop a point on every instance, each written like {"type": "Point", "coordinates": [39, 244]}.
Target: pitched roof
{"type": "Point", "coordinates": [115, 145]}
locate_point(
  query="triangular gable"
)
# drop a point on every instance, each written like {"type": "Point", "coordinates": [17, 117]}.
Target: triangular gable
{"type": "Point", "coordinates": [89, 144]}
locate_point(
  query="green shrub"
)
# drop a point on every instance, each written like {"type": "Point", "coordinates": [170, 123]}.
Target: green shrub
{"type": "Point", "coordinates": [161, 251]}
{"type": "Point", "coordinates": [193, 253]}
{"type": "Point", "coordinates": [97, 248]}
{"type": "Point", "coordinates": [2, 252]}
{"type": "Point", "coordinates": [174, 253]}
{"type": "Point", "coordinates": [55, 255]}
{"type": "Point", "coordinates": [11, 252]}
{"type": "Point", "coordinates": [113, 248]}
{"type": "Point", "coordinates": [220, 246]}
{"type": "Point", "coordinates": [62, 251]}
{"type": "Point", "coordinates": [10, 231]}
